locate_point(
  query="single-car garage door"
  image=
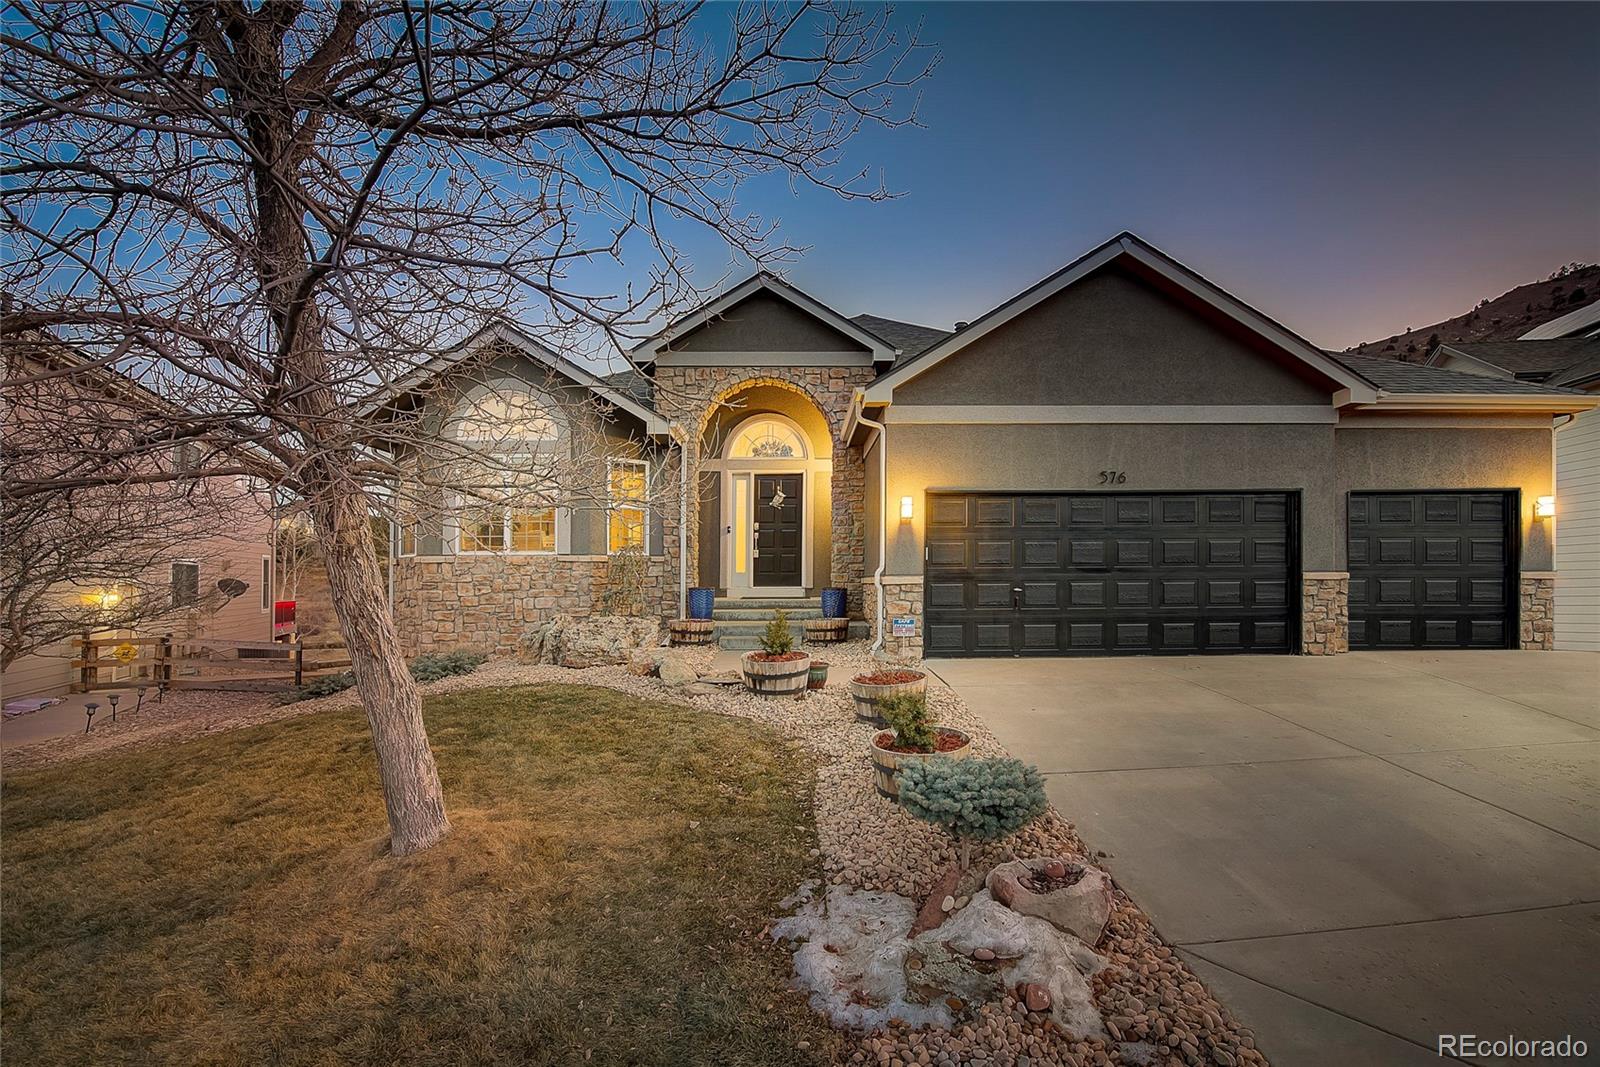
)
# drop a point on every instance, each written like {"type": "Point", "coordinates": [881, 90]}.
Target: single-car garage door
{"type": "Point", "coordinates": [1432, 570]}
{"type": "Point", "coordinates": [1108, 573]}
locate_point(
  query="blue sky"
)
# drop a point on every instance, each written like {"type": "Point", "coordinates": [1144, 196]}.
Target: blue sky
{"type": "Point", "coordinates": [1350, 170]}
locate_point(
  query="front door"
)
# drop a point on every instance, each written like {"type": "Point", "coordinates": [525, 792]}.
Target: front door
{"type": "Point", "coordinates": [778, 515]}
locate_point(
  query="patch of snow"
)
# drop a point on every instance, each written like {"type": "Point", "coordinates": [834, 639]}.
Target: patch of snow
{"type": "Point", "coordinates": [854, 951]}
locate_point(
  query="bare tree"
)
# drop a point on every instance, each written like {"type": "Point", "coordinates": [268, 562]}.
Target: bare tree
{"type": "Point", "coordinates": [264, 211]}
{"type": "Point", "coordinates": [101, 557]}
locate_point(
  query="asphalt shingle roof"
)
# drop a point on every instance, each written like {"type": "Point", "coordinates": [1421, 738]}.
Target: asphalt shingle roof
{"type": "Point", "coordinates": [908, 337]}
{"type": "Point", "coordinates": [630, 383]}
{"type": "Point", "coordinates": [1530, 357]}
{"type": "Point", "coordinates": [1393, 376]}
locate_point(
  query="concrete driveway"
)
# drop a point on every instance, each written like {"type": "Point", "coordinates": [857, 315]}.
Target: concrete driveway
{"type": "Point", "coordinates": [1358, 853]}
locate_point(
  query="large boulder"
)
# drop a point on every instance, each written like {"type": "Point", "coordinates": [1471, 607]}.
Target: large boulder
{"type": "Point", "coordinates": [599, 641]}
{"type": "Point", "coordinates": [1070, 895]}
{"type": "Point", "coordinates": [676, 671]}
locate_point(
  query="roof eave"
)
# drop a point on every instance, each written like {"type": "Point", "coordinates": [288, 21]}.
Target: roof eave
{"type": "Point", "coordinates": [1555, 404]}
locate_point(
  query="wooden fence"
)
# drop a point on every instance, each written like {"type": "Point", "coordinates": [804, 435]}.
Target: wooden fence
{"type": "Point", "coordinates": [200, 663]}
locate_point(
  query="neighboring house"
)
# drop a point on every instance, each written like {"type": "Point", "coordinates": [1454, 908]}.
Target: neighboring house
{"type": "Point", "coordinates": [1121, 459]}
{"type": "Point", "coordinates": [190, 560]}
{"type": "Point", "coordinates": [1563, 352]}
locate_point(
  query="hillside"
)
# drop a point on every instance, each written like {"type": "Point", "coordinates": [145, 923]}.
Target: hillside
{"type": "Point", "coordinates": [1505, 318]}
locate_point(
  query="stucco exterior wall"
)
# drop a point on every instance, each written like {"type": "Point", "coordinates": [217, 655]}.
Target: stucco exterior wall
{"type": "Point", "coordinates": [1113, 339]}
{"type": "Point", "coordinates": [760, 323]}
{"type": "Point", "coordinates": [1154, 457]}
{"type": "Point", "coordinates": [1450, 457]}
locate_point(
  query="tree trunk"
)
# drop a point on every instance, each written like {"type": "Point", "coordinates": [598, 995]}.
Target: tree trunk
{"type": "Point", "coordinates": [411, 791]}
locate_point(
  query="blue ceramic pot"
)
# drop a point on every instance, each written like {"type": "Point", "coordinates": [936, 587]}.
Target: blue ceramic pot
{"type": "Point", "coordinates": [701, 602]}
{"type": "Point", "coordinates": [833, 603]}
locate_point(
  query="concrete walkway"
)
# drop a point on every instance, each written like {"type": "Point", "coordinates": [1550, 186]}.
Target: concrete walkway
{"type": "Point", "coordinates": [1358, 853]}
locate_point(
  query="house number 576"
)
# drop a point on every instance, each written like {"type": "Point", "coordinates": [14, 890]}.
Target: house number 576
{"type": "Point", "coordinates": [1113, 477]}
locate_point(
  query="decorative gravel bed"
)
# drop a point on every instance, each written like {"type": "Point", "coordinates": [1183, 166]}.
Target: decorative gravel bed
{"type": "Point", "coordinates": [1155, 1009]}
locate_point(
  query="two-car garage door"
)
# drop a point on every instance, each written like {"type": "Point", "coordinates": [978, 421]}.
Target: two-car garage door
{"type": "Point", "coordinates": [1055, 574]}
{"type": "Point", "coordinates": [1108, 573]}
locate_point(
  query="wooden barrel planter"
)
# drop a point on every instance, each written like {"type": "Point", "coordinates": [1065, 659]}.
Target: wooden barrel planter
{"type": "Point", "coordinates": [886, 762]}
{"type": "Point", "coordinates": [692, 631]}
{"type": "Point", "coordinates": [870, 689]}
{"type": "Point", "coordinates": [784, 677]}
{"type": "Point", "coordinates": [826, 631]}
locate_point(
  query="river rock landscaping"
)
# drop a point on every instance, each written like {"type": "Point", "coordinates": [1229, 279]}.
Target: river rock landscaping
{"type": "Point", "coordinates": [877, 867]}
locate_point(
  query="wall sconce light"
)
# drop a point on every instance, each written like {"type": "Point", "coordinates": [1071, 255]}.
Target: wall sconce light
{"type": "Point", "coordinates": [101, 599]}
{"type": "Point", "coordinates": [1544, 507]}
{"type": "Point", "coordinates": [905, 509]}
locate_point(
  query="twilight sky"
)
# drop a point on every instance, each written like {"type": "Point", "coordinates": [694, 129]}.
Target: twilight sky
{"type": "Point", "coordinates": [1348, 169]}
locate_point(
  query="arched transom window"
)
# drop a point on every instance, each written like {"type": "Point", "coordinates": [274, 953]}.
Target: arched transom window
{"type": "Point", "coordinates": [765, 437]}
{"type": "Point", "coordinates": [503, 420]}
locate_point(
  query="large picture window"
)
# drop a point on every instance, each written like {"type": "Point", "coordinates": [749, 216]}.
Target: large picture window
{"type": "Point", "coordinates": [628, 488]}
{"type": "Point", "coordinates": [497, 528]}
{"type": "Point", "coordinates": [518, 439]}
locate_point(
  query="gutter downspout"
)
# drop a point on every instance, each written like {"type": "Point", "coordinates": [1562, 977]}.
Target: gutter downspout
{"type": "Point", "coordinates": [683, 526]}
{"type": "Point", "coordinates": [882, 441]}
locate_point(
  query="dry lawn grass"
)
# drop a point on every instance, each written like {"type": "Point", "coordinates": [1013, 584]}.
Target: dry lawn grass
{"type": "Point", "coordinates": [228, 900]}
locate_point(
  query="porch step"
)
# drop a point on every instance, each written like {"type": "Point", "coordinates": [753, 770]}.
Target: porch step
{"type": "Point", "coordinates": [742, 640]}
{"type": "Point", "coordinates": [762, 614]}
{"type": "Point", "coordinates": [741, 621]}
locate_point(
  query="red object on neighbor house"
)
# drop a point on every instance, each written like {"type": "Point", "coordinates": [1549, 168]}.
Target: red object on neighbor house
{"type": "Point", "coordinates": [282, 617]}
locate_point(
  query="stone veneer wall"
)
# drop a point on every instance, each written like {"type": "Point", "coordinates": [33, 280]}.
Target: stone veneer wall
{"type": "Point", "coordinates": [903, 597]}
{"type": "Point", "coordinates": [489, 603]}
{"type": "Point", "coordinates": [1538, 619]}
{"type": "Point", "coordinates": [1324, 613]}
{"type": "Point", "coordinates": [688, 395]}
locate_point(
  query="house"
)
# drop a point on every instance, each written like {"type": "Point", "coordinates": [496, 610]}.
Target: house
{"type": "Point", "coordinates": [190, 559]}
{"type": "Point", "coordinates": [1123, 458]}
{"type": "Point", "coordinates": [1563, 352]}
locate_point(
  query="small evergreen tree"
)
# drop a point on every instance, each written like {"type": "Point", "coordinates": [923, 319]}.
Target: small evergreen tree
{"type": "Point", "coordinates": [776, 640]}
{"type": "Point", "coordinates": [973, 799]}
{"type": "Point", "coordinates": [907, 716]}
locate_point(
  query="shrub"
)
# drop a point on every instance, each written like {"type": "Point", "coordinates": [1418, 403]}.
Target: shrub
{"type": "Point", "coordinates": [325, 686]}
{"type": "Point", "coordinates": [429, 667]}
{"type": "Point", "coordinates": [907, 715]}
{"type": "Point", "coordinates": [776, 638]}
{"type": "Point", "coordinates": [432, 666]}
{"type": "Point", "coordinates": [973, 799]}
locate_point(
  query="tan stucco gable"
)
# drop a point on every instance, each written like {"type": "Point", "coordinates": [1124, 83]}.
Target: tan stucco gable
{"type": "Point", "coordinates": [1183, 287]}
{"type": "Point", "coordinates": [1114, 338]}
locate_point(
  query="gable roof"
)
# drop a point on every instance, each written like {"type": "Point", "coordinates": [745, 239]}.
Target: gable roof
{"type": "Point", "coordinates": [883, 351]}
{"type": "Point", "coordinates": [1586, 320]}
{"type": "Point", "coordinates": [1546, 359]}
{"type": "Point", "coordinates": [463, 350]}
{"type": "Point", "coordinates": [1130, 247]}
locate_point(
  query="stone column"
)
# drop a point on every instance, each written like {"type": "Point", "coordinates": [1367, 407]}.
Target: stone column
{"type": "Point", "coordinates": [1324, 613]}
{"type": "Point", "coordinates": [1538, 611]}
{"type": "Point", "coordinates": [903, 599]}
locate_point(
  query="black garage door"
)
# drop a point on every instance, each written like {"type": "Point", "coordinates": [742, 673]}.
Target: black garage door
{"type": "Point", "coordinates": [1432, 570]}
{"type": "Point", "coordinates": [1100, 573]}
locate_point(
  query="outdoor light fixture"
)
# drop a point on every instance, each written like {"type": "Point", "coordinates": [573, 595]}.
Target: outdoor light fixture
{"type": "Point", "coordinates": [103, 599]}
{"type": "Point", "coordinates": [1544, 507]}
{"type": "Point", "coordinates": [905, 509]}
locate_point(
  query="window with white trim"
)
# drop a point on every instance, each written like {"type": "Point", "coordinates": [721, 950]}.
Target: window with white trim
{"type": "Point", "coordinates": [627, 484]}
{"type": "Point", "coordinates": [482, 527]}
{"type": "Point", "coordinates": [518, 438]}
{"type": "Point", "coordinates": [266, 583]}
{"type": "Point", "coordinates": [767, 438]}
